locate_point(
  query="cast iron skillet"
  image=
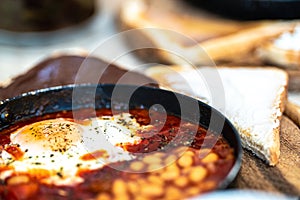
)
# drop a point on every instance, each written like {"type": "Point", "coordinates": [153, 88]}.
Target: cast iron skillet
{"type": "Point", "coordinates": [112, 96]}
{"type": "Point", "coordinates": [252, 9]}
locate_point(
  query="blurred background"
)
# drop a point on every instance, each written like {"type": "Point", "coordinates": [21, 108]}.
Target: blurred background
{"type": "Point", "coordinates": [32, 30]}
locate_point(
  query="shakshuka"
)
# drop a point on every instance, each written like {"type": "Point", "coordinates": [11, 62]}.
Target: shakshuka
{"type": "Point", "coordinates": [137, 154]}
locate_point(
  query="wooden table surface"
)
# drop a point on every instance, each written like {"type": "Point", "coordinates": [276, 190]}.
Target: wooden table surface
{"type": "Point", "coordinates": [285, 176]}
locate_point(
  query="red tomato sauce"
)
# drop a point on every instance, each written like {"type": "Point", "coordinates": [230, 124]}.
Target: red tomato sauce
{"type": "Point", "coordinates": [179, 159]}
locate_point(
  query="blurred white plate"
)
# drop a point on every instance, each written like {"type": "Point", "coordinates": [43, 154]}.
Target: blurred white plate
{"type": "Point", "coordinates": [242, 195]}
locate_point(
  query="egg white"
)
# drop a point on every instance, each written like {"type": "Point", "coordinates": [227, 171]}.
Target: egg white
{"type": "Point", "coordinates": [54, 149]}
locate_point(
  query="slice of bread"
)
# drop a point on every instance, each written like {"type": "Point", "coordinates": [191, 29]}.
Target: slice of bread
{"type": "Point", "coordinates": [254, 99]}
{"type": "Point", "coordinates": [221, 39]}
{"type": "Point", "coordinates": [283, 50]}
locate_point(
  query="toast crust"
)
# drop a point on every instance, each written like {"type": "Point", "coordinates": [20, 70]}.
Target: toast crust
{"type": "Point", "coordinates": [293, 111]}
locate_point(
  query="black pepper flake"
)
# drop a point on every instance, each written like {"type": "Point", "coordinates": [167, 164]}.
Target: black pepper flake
{"type": "Point", "coordinates": [10, 162]}
{"type": "Point", "coordinates": [78, 164]}
{"type": "Point", "coordinates": [51, 155]}
{"type": "Point", "coordinates": [59, 174]}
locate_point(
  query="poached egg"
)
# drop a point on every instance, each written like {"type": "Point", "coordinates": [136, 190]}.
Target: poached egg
{"type": "Point", "coordinates": [54, 150]}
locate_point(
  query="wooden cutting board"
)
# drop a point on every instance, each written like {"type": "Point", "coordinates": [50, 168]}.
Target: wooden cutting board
{"type": "Point", "coordinates": [285, 176]}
